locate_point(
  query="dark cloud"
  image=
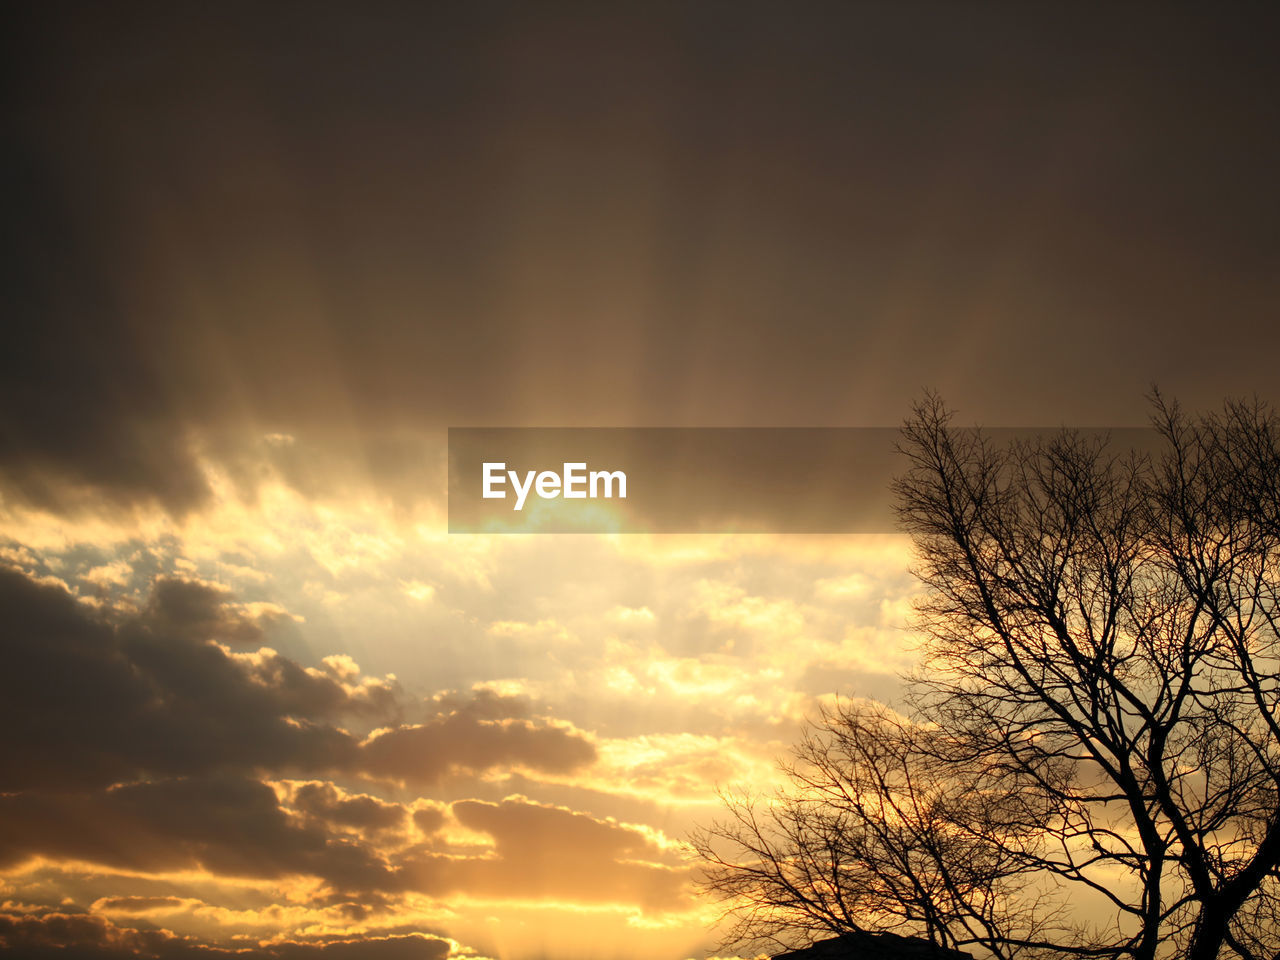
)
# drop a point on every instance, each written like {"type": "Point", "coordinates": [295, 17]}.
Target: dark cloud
{"type": "Point", "coordinates": [364, 812]}
{"type": "Point", "coordinates": [196, 610]}
{"type": "Point", "coordinates": [229, 827]}
{"type": "Point", "coordinates": [89, 937]}
{"type": "Point", "coordinates": [88, 700]}
{"type": "Point", "coordinates": [375, 948]}
{"type": "Point", "coordinates": [237, 828]}
{"type": "Point", "coordinates": [461, 744]}
{"type": "Point", "coordinates": [134, 742]}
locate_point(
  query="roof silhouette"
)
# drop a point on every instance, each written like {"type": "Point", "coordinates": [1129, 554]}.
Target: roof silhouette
{"type": "Point", "coordinates": [873, 946]}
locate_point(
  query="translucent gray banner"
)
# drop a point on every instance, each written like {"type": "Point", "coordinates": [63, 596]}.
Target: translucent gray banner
{"type": "Point", "coordinates": [686, 480]}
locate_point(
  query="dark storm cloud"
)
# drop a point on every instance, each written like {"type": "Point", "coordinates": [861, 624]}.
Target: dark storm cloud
{"type": "Point", "coordinates": [88, 937]}
{"type": "Point", "coordinates": [236, 828]}
{"type": "Point", "coordinates": [196, 610]}
{"type": "Point", "coordinates": [234, 220]}
{"type": "Point", "coordinates": [326, 802]}
{"type": "Point", "coordinates": [426, 752]}
{"type": "Point", "coordinates": [133, 742]}
{"type": "Point", "coordinates": [87, 701]}
{"type": "Point", "coordinates": [230, 827]}
{"type": "Point", "coordinates": [410, 947]}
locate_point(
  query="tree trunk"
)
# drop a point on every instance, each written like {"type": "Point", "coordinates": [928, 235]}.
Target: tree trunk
{"type": "Point", "coordinates": [1210, 933]}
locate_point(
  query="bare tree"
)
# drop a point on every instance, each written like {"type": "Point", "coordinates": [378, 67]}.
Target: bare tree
{"type": "Point", "coordinates": [1088, 760]}
{"type": "Point", "coordinates": [881, 828]}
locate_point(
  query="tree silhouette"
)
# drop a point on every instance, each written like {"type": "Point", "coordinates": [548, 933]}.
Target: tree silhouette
{"type": "Point", "coordinates": [1087, 762]}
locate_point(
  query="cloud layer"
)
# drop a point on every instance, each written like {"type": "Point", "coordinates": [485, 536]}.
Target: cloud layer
{"type": "Point", "coordinates": [140, 743]}
{"type": "Point", "coordinates": [91, 700]}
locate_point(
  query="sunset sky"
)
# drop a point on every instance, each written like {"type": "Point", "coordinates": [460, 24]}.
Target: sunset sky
{"type": "Point", "coordinates": [255, 697]}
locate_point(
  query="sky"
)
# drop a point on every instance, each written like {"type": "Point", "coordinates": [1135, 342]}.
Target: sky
{"type": "Point", "coordinates": [261, 257]}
